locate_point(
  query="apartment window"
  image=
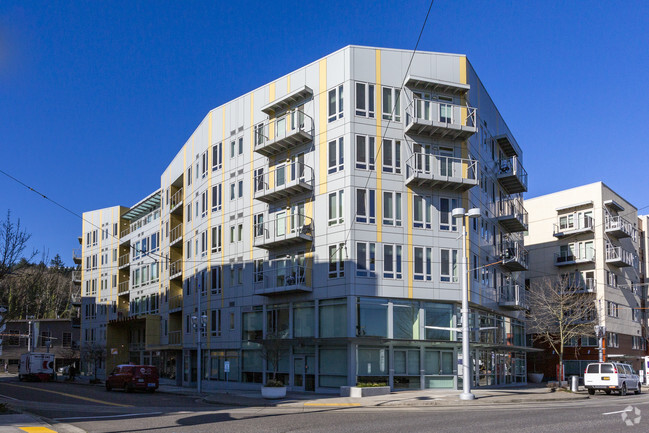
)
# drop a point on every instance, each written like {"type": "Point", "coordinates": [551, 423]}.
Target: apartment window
{"type": "Point", "coordinates": [638, 343]}
{"type": "Point", "coordinates": [240, 145]}
{"type": "Point", "coordinates": [94, 238]}
{"type": "Point", "coordinates": [423, 261]}
{"type": "Point", "coordinates": [336, 155]}
{"type": "Point", "coordinates": [364, 152]}
{"type": "Point", "coordinates": [114, 281]}
{"type": "Point", "coordinates": [391, 156]}
{"type": "Point", "coordinates": [216, 280]}
{"type": "Point", "coordinates": [216, 239]}
{"type": "Point", "coordinates": [636, 314]}
{"type": "Point", "coordinates": [189, 249]}
{"type": "Point", "coordinates": [258, 225]}
{"type": "Point", "coordinates": [612, 309]}
{"type": "Point", "coordinates": [422, 211]}
{"type": "Point", "coordinates": [259, 134]}
{"type": "Point", "coordinates": [365, 100]}
{"type": "Point", "coordinates": [232, 231]}
{"type": "Point", "coordinates": [115, 229]}
{"type": "Point", "coordinates": [449, 265]}
{"type": "Point", "coordinates": [336, 207]}
{"type": "Point", "coordinates": [392, 208]}
{"type": "Point", "coordinates": [233, 146]}
{"type": "Point", "coordinates": [216, 323]}
{"type": "Point", "coordinates": [476, 265]}
{"type": "Point", "coordinates": [204, 243]}
{"type": "Point", "coordinates": [258, 184]}
{"type": "Point", "coordinates": [335, 103]}
{"type": "Point", "coordinates": [365, 259]}
{"type": "Point", "coordinates": [217, 157]}
{"type": "Point", "coordinates": [216, 197]}
{"type": "Point", "coordinates": [94, 261]}
{"type": "Point", "coordinates": [88, 235]}
{"type": "Point", "coordinates": [391, 104]}
{"type": "Point", "coordinates": [189, 212]}
{"type": "Point", "coordinates": [233, 189]}
{"type": "Point", "coordinates": [66, 341]}
{"type": "Point", "coordinates": [611, 279]}
{"type": "Point", "coordinates": [258, 270]}
{"type": "Point", "coordinates": [613, 340]}
{"type": "Point", "coordinates": [189, 175]}
{"type": "Point", "coordinates": [204, 164]}
{"type": "Point", "coordinates": [336, 261]}
{"type": "Point", "coordinates": [392, 261]}
{"type": "Point", "coordinates": [204, 204]}
{"type": "Point", "coordinates": [446, 220]}
{"type": "Point", "coordinates": [231, 321]}
{"type": "Point", "coordinates": [366, 206]}
{"type": "Point", "coordinates": [240, 188]}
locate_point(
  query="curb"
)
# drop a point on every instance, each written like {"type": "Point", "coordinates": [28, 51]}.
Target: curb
{"type": "Point", "coordinates": [59, 427]}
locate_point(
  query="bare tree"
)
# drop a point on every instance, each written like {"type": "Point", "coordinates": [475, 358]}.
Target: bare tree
{"type": "Point", "coordinates": [272, 351]}
{"type": "Point", "coordinates": [13, 242]}
{"type": "Point", "coordinates": [94, 354]}
{"type": "Point", "coordinates": [560, 310]}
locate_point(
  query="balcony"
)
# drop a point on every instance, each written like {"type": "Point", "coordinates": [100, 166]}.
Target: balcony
{"type": "Point", "coordinates": [283, 231]}
{"type": "Point", "coordinates": [567, 258]}
{"type": "Point", "coordinates": [176, 236]}
{"type": "Point", "coordinates": [175, 303]}
{"type": "Point", "coordinates": [77, 256]}
{"type": "Point", "coordinates": [176, 202]}
{"type": "Point", "coordinates": [512, 176]}
{"type": "Point", "coordinates": [440, 120]}
{"type": "Point", "coordinates": [283, 279]}
{"type": "Point", "coordinates": [123, 288]}
{"type": "Point", "coordinates": [617, 256]}
{"type": "Point", "coordinates": [514, 256]}
{"type": "Point", "coordinates": [76, 277]}
{"type": "Point", "coordinates": [507, 145]}
{"type": "Point", "coordinates": [511, 215]}
{"type": "Point", "coordinates": [125, 232]}
{"type": "Point", "coordinates": [283, 182]}
{"type": "Point", "coordinates": [124, 261]}
{"type": "Point", "coordinates": [443, 172]}
{"type": "Point", "coordinates": [511, 295]}
{"type": "Point", "coordinates": [175, 338]}
{"type": "Point", "coordinates": [176, 270]}
{"type": "Point", "coordinates": [588, 285]}
{"type": "Point", "coordinates": [619, 227]}
{"type": "Point", "coordinates": [283, 133]}
{"type": "Point", "coordinates": [573, 224]}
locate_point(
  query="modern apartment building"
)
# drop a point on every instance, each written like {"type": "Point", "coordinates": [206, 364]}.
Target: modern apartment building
{"type": "Point", "coordinates": [587, 237]}
{"type": "Point", "coordinates": [316, 210]}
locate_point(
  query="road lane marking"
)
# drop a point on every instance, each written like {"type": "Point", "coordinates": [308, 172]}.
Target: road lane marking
{"type": "Point", "coordinates": [37, 429]}
{"type": "Point", "coordinates": [332, 404]}
{"type": "Point", "coordinates": [10, 398]}
{"type": "Point", "coordinates": [617, 411]}
{"type": "Point", "coordinates": [107, 416]}
{"type": "Point", "coordinates": [68, 395]}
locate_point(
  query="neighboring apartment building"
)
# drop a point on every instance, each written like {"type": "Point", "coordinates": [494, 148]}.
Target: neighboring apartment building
{"type": "Point", "coordinates": [588, 237]}
{"type": "Point", "coordinates": [317, 209]}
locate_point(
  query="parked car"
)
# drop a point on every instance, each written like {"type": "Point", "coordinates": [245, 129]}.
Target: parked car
{"type": "Point", "coordinates": [130, 377]}
{"type": "Point", "coordinates": [611, 376]}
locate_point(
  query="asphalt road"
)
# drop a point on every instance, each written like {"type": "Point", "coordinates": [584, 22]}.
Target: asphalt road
{"type": "Point", "coordinates": [93, 409]}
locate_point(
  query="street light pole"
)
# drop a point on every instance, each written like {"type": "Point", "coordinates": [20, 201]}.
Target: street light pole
{"type": "Point", "coordinates": [200, 323]}
{"type": "Point", "coordinates": [466, 352]}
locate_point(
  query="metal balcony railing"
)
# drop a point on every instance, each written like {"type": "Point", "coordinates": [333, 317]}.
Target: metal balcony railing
{"type": "Point", "coordinates": [176, 269]}
{"type": "Point", "coordinates": [124, 260]}
{"type": "Point", "coordinates": [77, 256]}
{"type": "Point", "coordinates": [125, 232]}
{"type": "Point", "coordinates": [283, 181]}
{"type": "Point", "coordinates": [283, 230]}
{"type": "Point", "coordinates": [564, 258]}
{"type": "Point", "coordinates": [513, 254]}
{"type": "Point", "coordinates": [620, 257]}
{"type": "Point", "coordinates": [76, 277]}
{"type": "Point", "coordinates": [440, 119]}
{"type": "Point", "coordinates": [572, 224]}
{"type": "Point", "coordinates": [619, 227]}
{"type": "Point", "coordinates": [176, 234]}
{"type": "Point", "coordinates": [439, 171]}
{"type": "Point", "coordinates": [512, 215]}
{"type": "Point", "coordinates": [512, 175]}
{"type": "Point", "coordinates": [175, 302]}
{"type": "Point", "coordinates": [175, 338]}
{"type": "Point", "coordinates": [512, 295]}
{"type": "Point", "coordinates": [582, 285]}
{"type": "Point", "coordinates": [284, 132]}
{"type": "Point", "coordinates": [283, 277]}
{"type": "Point", "coordinates": [176, 199]}
{"type": "Point", "coordinates": [123, 287]}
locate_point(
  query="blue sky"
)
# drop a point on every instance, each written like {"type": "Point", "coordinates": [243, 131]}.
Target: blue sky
{"type": "Point", "coordinates": [97, 97]}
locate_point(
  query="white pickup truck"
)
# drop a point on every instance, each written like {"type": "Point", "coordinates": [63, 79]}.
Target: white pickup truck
{"type": "Point", "coordinates": [611, 376]}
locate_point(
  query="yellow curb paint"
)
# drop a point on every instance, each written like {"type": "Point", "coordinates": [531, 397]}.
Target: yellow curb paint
{"type": "Point", "coordinates": [37, 429]}
{"type": "Point", "coordinates": [68, 395]}
{"type": "Point", "coordinates": [332, 404]}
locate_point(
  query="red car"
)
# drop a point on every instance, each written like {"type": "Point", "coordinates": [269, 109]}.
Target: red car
{"type": "Point", "coordinates": [130, 377]}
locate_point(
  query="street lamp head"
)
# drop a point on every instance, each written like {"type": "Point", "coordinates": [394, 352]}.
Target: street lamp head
{"type": "Point", "coordinates": [458, 212]}
{"type": "Point", "coordinates": [473, 213]}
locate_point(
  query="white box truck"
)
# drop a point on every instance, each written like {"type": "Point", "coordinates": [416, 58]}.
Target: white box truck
{"type": "Point", "coordinates": [36, 366]}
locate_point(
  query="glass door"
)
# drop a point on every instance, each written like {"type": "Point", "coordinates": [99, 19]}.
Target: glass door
{"type": "Point", "coordinates": [446, 162]}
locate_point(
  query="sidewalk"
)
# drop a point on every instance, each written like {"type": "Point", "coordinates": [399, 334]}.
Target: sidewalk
{"type": "Point", "coordinates": [22, 422]}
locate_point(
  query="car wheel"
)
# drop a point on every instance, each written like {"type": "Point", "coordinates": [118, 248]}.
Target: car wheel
{"type": "Point", "coordinates": [623, 390]}
{"type": "Point", "coordinates": [639, 390]}
{"type": "Point", "coordinates": [591, 391]}
{"type": "Point", "coordinates": [108, 387]}
{"type": "Point", "coordinates": [127, 388]}
{"type": "Point", "coordinates": [607, 391]}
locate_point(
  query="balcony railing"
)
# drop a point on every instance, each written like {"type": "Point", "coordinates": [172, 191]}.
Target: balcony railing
{"type": "Point", "coordinates": [175, 338]}
{"type": "Point", "coordinates": [512, 175]}
{"type": "Point", "coordinates": [176, 302]}
{"type": "Point", "coordinates": [283, 133]}
{"type": "Point", "coordinates": [122, 287]}
{"type": "Point", "coordinates": [511, 295]}
{"type": "Point", "coordinates": [619, 227]}
{"type": "Point", "coordinates": [283, 278]}
{"type": "Point", "coordinates": [176, 235]}
{"type": "Point", "coordinates": [176, 269]}
{"type": "Point", "coordinates": [514, 256]}
{"type": "Point", "coordinates": [283, 181]}
{"type": "Point", "coordinates": [587, 285]}
{"type": "Point", "coordinates": [77, 256]}
{"type": "Point", "coordinates": [565, 258]}
{"type": "Point", "coordinates": [76, 277]}
{"type": "Point", "coordinates": [512, 215]}
{"type": "Point", "coordinates": [442, 172]}
{"type": "Point", "coordinates": [440, 119]}
{"type": "Point", "coordinates": [618, 256]}
{"type": "Point", "coordinates": [124, 260]}
{"type": "Point", "coordinates": [176, 201]}
{"type": "Point", "coordinates": [573, 224]}
{"type": "Point", "coordinates": [125, 232]}
{"type": "Point", "coordinates": [283, 230]}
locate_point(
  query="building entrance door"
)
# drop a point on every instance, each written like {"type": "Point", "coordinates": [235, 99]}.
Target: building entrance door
{"type": "Point", "coordinates": [303, 373]}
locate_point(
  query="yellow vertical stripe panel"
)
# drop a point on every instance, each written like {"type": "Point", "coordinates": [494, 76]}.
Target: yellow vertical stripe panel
{"type": "Point", "coordinates": [379, 145]}
{"type": "Point", "coordinates": [463, 80]}
{"type": "Point", "coordinates": [322, 118]}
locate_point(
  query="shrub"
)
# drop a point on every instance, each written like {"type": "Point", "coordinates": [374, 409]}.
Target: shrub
{"type": "Point", "coordinates": [272, 383]}
{"type": "Point", "coordinates": [370, 384]}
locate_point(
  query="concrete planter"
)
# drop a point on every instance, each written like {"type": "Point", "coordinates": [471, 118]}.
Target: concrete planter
{"type": "Point", "coordinates": [356, 392]}
{"type": "Point", "coordinates": [534, 377]}
{"type": "Point", "coordinates": [273, 392]}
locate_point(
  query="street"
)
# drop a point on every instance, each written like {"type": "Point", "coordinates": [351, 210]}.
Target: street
{"type": "Point", "coordinates": [93, 409]}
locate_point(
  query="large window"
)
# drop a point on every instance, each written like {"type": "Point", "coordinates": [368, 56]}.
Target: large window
{"type": "Point", "coordinates": [422, 211]}
{"type": "Point", "coordinates": [335, 103]}
{"type": "Point", "coordinates": [216, 280]}
{"type": "Point", "coordinates": [391, 208]}
{"type": "Point", "coordinates": [405, 320]}
{"type": "Point", "coordinates": [336, 261]}
{"type": "Point", "coordinates": [391, 104]}
{"type": "Point", "coordinates": [217, 156]}
{"type": "Point", "coordinates": [612, 309]}
{"type": "Point", "coordinates": [392, 261]}
{"type": "Point", "coordinates": [216, 197]}
{"type": "Point", "coordinates": [372, 364]}
{"type": "Point", "coordinates": [332, 367]}
{"type": "Point", "coordinates": [252, 326]}
{"type": "Point", "coordinates": [449, 265]}
{"type": "Point", "coordinates": [333, 318]}
{"type": "Point", "coordinates": [336, 161]}
{"type": "Point", "coordinates": [366, 206]}
{"type": "Point", "coordinates": [365, 259]}
{"type": "Point", "coordinates": [446, 220]}
{"type": "Point", "coordinates": [336, 207]}
{"type": "Point", "coordinates": [217, 240]}
{"type": "Point", "coordinates": [441, 316]}
{"type": "Point", "coordinates": [303, 319]}
{"type": "Point", "coordinates": [391, 156]}
{"type": "Point", "coordinates": [372, 316]}
{"type": "Point", "coordinates": [365, 152]}
{"type": "Point", "coordinates": [365, 100]}
{"type": "Point", "coordinates": [423, 263]}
